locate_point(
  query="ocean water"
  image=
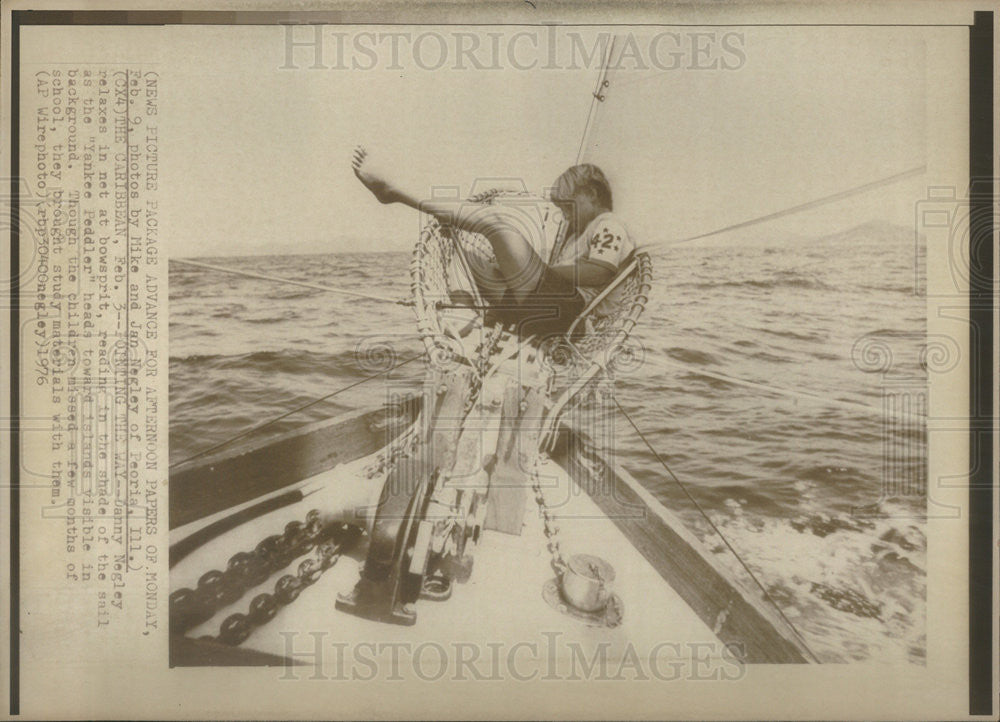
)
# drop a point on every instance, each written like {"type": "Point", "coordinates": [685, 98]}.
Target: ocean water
{"type": "Point", "coordinates": [819, 491]}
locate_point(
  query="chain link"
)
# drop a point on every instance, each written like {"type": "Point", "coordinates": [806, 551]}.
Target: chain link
{"type": "Point", "coordinates": [487, 348]}
{"type": "Point", "coordinates": [245, 570]}
{"type": "Point", "coordinates": [611, 615]}
{"type": "Point", "coordinates": [550, 527]}
{"type": "Point", "coordinates": [263, 607]}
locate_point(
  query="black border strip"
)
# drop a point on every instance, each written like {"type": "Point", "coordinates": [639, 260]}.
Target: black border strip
{"type": "Point", "coordinates": [15, 381]}
{"type": "Point", "coordinates": [982, 193]}
{"type": "Point", "coordinates": [982, 223]}
{"type": "Point", "coordinates": [465, 15]}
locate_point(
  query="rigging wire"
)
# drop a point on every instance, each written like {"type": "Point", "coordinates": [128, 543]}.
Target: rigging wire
{"type": "Point", "coordinates": [917, 170]}
{"type": "Point", "coordinates": [782, 391]}
{"type": "Point", "coordinates": [276, 419]}
{"type": "Point", "coordinates": [279, 279]}
{"type": "Point", "coordinates": [808, 205]}
{"type": "Point", "coordinates": [716, 529]}
{"type": "Point", "coordinates": [599, 95]}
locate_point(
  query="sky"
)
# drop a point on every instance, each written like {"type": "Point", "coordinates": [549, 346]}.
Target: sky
{"type": "Point", "coordinates": [700, 132]}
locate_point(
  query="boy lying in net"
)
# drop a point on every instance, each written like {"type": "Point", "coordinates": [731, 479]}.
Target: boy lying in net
{"type": "Point", "coordinates": [542, 298]}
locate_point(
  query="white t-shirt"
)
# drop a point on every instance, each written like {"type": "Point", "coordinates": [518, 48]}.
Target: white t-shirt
{"type": "Point", "coordinates": [605, 241]}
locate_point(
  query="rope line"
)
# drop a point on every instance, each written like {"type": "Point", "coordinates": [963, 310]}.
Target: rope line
{"type": "Point", "coordinates": [716, 529]}
{"type": "Point", "coordinates": [782, 391]}
{"type": "Point", "coordinates": [840, 195]}
{"type": "Point", "coordinates": [285, 415]}
{"type": "Point", "coordinates": [279, 279]}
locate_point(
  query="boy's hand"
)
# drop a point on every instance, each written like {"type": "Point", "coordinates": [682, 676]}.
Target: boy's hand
{"type": "Point", "coordinates": [585, 273]}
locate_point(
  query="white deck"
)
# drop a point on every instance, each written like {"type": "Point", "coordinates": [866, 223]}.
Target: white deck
{"type": "Point", "coordinates": [501, 604]}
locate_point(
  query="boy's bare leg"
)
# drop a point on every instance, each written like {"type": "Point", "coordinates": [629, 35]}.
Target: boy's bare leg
{"type": "Point", "coordinates": [519, 265]}
{"type": "Point", "coordinates": [374, 177]}
{"type": "Point", "coordinates": [491, 283]}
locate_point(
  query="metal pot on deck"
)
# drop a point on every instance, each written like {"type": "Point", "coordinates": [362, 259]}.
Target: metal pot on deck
{"type": "Point", "coordinates": [586, 582]}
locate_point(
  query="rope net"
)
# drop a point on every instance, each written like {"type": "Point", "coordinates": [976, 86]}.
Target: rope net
{"type": "Point", "coordinates": [447, 299]}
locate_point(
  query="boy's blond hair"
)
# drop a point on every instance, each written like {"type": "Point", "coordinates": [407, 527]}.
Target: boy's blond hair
{"type": "Point", "coordinates": [583, 177]}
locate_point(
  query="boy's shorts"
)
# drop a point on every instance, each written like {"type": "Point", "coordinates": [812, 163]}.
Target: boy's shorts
{"type": "Point", "coordinates": [554, 305]}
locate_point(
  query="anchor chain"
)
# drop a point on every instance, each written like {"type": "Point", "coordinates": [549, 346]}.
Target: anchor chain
{"type": "Point", "coordinates": [612, 614]}
{"type": "Point", "coordinates": [263, 607]}
{"type": "Point", "coordinates": [245, 570]}
{"type": "Point", "coordinates": [487, 348]}
{"type": "Point", "coordinates": [550, 527]}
